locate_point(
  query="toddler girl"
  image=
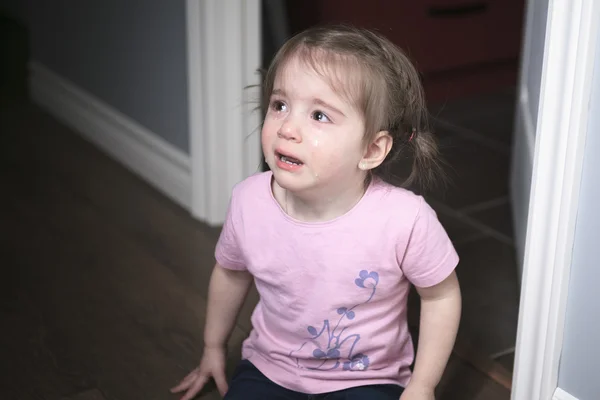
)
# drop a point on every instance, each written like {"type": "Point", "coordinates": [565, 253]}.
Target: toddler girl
{"type": "Point", "coordinates": [330, 242]}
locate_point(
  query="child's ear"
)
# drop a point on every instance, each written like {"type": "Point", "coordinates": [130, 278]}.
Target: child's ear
{"type": "Point", "coordinates": [376, 151]}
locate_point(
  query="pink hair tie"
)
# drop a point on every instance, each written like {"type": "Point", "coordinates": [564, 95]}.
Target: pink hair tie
{"type": "Point", "coordinates": [412, 135]}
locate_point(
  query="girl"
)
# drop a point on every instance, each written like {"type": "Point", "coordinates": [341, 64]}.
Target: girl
{"type": "Point", "coordinates": [330, 243]}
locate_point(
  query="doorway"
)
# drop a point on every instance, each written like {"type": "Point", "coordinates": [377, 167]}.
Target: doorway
{"type": "Point", "coordinates": [540, 109]}
{"type": "Point", "coordinates": [469, 70]}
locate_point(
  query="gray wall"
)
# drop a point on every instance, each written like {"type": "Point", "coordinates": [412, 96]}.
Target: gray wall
{"type": "Point", "coordinates": [129, 53]}
{"type": "Point", "coordinates": [580, 363]}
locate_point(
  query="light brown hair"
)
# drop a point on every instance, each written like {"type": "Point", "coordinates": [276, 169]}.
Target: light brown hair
{"type": "Point", "coordinates": [382, 83]}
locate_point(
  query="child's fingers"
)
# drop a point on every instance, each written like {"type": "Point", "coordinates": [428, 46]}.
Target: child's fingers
{"type": "Point", "coordinates": [221, 382]}
{"type": "Point", "coordinates": [195, 387]}
{"type": "Point", "coordinates": [186, 382]}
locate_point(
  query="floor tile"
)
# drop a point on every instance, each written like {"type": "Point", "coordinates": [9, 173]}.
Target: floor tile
{"type": "Point", "coordinates": [498, 218]}
{"type": "Point", "coordinates": [487, 119]}
{"type": "Point", "coordinates": [488, 105]}
{"type": "Point", "coordinates": [461, 381]}
{"type": "Point", "coordinates": [499, 128]}
{"type": "Point", "coordinates": [476, 173]}
{"type": "Point", "coordinates": [457, 229]}
{"type": "Point", "coordinates": [507, 361]}
{"type": "Point", "coordinates": [488, 277]}
{"type": "Point", "coordinates": [495, 132]}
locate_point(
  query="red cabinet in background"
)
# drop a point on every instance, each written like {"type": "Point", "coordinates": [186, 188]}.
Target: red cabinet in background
{"type": "Point", "coordinates": [460, 47]}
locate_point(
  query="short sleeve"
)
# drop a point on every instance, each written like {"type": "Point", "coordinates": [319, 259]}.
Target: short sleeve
{"type": "Point", "coordinates": [430, 256]}
{"type": "Point", "coordinates": [228, 251]}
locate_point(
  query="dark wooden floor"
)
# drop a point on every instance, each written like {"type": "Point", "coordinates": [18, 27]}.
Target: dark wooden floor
{"type": "Point", "coordinates": [104, 287]}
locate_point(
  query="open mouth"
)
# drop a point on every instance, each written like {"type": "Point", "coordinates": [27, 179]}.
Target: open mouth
{"type": "Point", "coordinates": [288, 160]}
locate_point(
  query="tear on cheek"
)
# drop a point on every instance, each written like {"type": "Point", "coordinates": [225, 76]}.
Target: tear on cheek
{"type": "Point", "coordinates": [318, 171]}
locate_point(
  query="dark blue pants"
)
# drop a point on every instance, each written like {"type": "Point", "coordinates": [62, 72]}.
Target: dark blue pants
{"type": "Point", "coordinates": [248, 383]}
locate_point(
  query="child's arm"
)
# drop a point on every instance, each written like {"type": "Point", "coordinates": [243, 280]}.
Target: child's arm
{"type": "Point", "coordinates": [226, 293]}
{"type": "Point", "coordinates": [440, 316]}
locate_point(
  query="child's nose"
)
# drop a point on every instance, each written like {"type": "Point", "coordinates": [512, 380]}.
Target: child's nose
{"type": "Point", "coordinates": [289, 131]}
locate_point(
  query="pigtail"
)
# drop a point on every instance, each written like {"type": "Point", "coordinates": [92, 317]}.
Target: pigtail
{"type": "Point", "coordinates": [407, 95]}
{"type": "Point", "coordinates": [428, 168]}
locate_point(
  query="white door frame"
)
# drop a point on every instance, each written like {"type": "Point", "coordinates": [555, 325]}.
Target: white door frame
{"type": "Point", "coordinates": [570, 43]}
{"type": "Point", "coordinates": [224, 48]}
{"type": "Point", "coordinates": [224, 57]}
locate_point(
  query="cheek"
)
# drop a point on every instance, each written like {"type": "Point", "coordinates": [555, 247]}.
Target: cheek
{"type": "Point", "coordinates": [268, 133]}
{"type": "Point", "coordinates": [326, 157]}
{"type": "Point", "coordinates": [330, 158]}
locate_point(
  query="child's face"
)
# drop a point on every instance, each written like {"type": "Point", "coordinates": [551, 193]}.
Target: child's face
{"type": "Point", "coordinates": [312, 137]}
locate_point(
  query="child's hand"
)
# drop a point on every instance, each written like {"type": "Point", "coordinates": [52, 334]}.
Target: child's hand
{"type": "Point", "coordinates": [212, 365]}
{"type": "Point", "coordinates": [417, 392]}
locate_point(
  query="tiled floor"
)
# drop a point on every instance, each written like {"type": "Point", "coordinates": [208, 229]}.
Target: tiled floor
{"type": "Point", "coordinates": [476, 136]}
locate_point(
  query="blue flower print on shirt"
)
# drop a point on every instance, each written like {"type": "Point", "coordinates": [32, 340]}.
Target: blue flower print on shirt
{"type": "Point", "coordinates": [333, 347]}
{"type": "Point", "coordinates": [365, 275]}
{"type": "Point", "coordinates": [359, 362]}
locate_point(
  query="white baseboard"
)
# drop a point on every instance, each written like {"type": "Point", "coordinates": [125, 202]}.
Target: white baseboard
{"type": "Point", "coordinates": [560, 394]}
{"type": "Point", "coordinates": [137, 148]}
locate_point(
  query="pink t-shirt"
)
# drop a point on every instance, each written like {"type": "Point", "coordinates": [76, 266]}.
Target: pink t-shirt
{"type": "Point", "coordinates": [332, 309]}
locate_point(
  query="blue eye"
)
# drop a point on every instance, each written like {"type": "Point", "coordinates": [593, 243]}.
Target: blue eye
{"type": "Point", "coordinates": [320, 116]}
